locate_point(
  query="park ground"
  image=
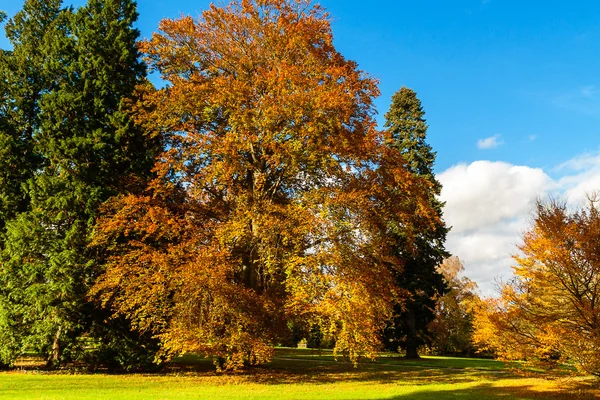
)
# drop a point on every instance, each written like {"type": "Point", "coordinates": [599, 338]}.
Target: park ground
{"type": "Point", "coordinates": [304, 374]}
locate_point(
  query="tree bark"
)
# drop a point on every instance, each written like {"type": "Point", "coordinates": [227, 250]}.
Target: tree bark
{"type": "Point", "coordinates": [250, 260]}
{"type": "Point", "coordinates": [54, 360]}
{"type": "Point", "coordinates": [411, 336]}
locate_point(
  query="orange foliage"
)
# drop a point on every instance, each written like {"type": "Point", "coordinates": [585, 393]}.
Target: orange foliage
{"type": "Point", "coordinates": [550, 312]}
{"type": "Point", "coordinates": [274, 197]}
{"type": "Point", "coordinates": [451, 330]}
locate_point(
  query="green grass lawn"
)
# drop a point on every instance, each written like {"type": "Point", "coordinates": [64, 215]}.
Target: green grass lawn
{"type": "Point", "coordinates": [303, 374]}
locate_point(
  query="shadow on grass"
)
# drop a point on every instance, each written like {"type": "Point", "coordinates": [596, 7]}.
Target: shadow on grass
{"type": "Point", "coordinates": [574, 390]}
{"type": "Point", "coordinates": [289, 368]}
{"type": "Point", "coordinates": [428, 383]}
{"type": "Point", "coordinates": [420, 380]}
{"type": "Point", "coordinates": [289, 371]}
{"type": "Point", "coordinates": [424, 379]}
{"type": "Point", "coordinates": [323, 373]}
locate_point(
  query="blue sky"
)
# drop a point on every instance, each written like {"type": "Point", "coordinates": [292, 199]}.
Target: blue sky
{"type": "Point", "coordinates": [513, 70]}
{"type": "Point", "coordinates": [511, 91]}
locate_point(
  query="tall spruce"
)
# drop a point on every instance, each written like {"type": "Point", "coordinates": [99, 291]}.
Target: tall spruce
{"type": "Point", "coordinates": [420, 278]}
{"type": "Point", "coordinates": [89, 145]}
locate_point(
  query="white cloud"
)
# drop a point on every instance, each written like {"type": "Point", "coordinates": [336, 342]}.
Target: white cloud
{"type": "Point", "coordinates": [485, 192]}
{"type": "Point", "coordinates": [580, 176]}
{"type": "Point", "coordinates": [487, 254]}
{"type": "Point", "coordinates": [489, 143]}
{"type": "Point", "coordinates": [488, 205]}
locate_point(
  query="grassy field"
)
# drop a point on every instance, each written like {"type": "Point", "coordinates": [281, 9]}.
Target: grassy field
{"type": "Point", "coordinates": [297, 374]}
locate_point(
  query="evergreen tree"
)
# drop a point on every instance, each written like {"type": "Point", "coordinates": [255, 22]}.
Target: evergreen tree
{"type": "Point", "coordinates": [87, 140]}
{"type": "Point", "coordinates": [419, 278]}
{"type": "Point", "coordinates": [22, 82]}
{"type": "Point", "coordinates": [23, 79]}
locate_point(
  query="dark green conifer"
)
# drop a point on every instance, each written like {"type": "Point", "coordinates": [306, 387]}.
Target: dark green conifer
{"type": "Point", "coordinates": [89, 147]}
{"type": "Point", "coordinates": [420, 278]}
{"type": "Point", "coordinates": [23, 80]}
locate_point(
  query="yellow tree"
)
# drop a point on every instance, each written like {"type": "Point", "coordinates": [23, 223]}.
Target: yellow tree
{"type": "Point", "coordinates": [452, 328]}
{"type": "Point", "coordinates": [274, 197]}
{"type": "Point", "coordinates": [550, 311]}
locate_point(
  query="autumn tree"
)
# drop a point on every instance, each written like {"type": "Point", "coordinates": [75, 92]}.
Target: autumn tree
{"type": "Point", "coordinates": [274, 196]}
{"type": "Point", "coordinates": [452, 328]}
{"type": "Point", "coordinates": [419, 278]}
{"type": "Point", "coordinates": [550, 312]}
{"type": "Point", "coordinates": [77, 70]}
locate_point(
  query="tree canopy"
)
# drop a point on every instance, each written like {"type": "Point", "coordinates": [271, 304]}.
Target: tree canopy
{"type": "Point", "coordinates": [452, 328]}
{"type": "Point", "coordinates": [549, 312]}
{"type": "Point", "coordinates": [275, 194]}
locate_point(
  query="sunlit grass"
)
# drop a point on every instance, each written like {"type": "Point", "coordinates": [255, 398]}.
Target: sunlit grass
{"type": "Point", "coordinates": [304, 374]}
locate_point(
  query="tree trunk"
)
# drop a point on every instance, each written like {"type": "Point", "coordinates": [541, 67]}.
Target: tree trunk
{"type": "Point", "coordinates": [54, 360]}
{"type": "Point", "coordinates": [411, 336]}
{"type": "Point", "coordinates": [411, 353]}
{"type": "Point", "coordinates": [251, 258]}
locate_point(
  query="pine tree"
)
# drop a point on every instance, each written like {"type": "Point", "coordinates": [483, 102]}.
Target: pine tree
{"type": "Point", "coordinates": [420, 278]}
{"type": "Point", "coordinates": [87, 140]}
